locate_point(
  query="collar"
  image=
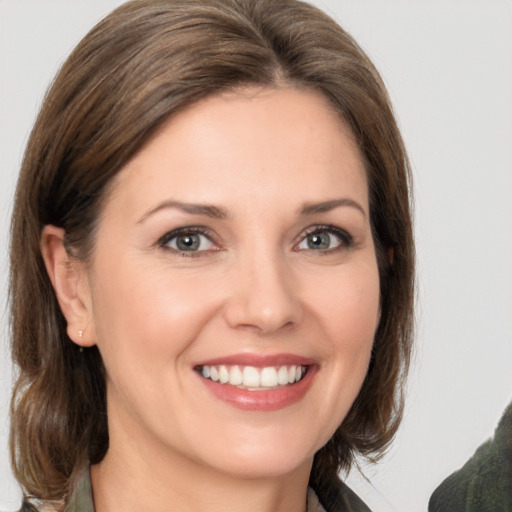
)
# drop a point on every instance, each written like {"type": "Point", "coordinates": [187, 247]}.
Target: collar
{"type": "Point", "coordinates": [326, 496]}
{"type": "Point", "coordinates": [81, 496]}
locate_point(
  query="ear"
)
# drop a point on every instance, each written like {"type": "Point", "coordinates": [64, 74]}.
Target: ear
{"type": "Point", "coordinates": [71, 286]}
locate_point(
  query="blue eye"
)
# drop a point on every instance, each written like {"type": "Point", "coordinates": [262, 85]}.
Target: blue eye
{"type": "Point", "coordinates": [325, 239]}
{"type": "Point", "coordinates": [187, 240]}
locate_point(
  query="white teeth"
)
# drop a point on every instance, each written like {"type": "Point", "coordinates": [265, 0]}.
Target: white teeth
{"type": "Point", "coordinates": [223, 374]}
{"type": "Point", "coordinates": [214, 374]}
{"type": "Point", "coordinates": [236, 377]}
{"type": "Point", "coordinates": [252, 377]}
{"type": "Point", "coordinates": [282, 376]}
{"type": "Point", "coordinates": [269, 377]}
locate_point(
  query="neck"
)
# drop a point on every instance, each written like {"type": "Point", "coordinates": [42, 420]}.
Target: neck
{"type": "Point", "coordinates": [134, 479]}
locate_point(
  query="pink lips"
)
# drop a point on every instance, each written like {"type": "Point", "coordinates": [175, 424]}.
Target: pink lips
{"type": "Point", "coordinates": [260, 360]}
{"type": "Point", "coordinates": [261, 400]}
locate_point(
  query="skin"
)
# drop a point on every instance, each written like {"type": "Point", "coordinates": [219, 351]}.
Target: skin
{"type": "Point", "coordinates": [257, 285]}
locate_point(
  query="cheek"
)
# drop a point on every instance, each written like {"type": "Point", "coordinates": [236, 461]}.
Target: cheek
{"type": "Point", "coordinates": [346, 307]}
{"type": "Point", "coordinates": [349, 314]}
{"type": "Point", "coordinates": [143, 312]}
{"type": "Point", "coordinates": [349, 307]}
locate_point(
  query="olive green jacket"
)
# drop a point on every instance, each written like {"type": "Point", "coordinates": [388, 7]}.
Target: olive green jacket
{"type": "Point", "coordinates": [327, 496]}
{"type": "Point", "coordinates": [484, 483]}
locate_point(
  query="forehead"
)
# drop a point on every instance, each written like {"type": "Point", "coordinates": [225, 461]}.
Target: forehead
{"type": "Point", "coordinates": [249, 142]}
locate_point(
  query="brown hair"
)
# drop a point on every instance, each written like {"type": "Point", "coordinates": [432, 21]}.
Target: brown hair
{"type": "Point", "coordinates": [137, 67]}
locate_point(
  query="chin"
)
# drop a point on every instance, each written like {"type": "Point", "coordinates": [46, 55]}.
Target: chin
{"type": "Point", "coordinates": [266, 455]}
{"type": "Point", "coordinates": [265, 466]}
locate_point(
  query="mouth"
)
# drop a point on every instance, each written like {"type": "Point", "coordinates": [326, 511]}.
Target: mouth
{"type": "Point", "coordinates": [261, 383]}
{"type": "Point", "coordinates": [253, 378]}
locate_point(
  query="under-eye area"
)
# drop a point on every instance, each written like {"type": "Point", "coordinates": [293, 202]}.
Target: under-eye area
{"type": "Point", "coordinates": [254, 378]}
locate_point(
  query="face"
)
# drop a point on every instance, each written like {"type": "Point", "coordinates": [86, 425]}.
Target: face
{"type": "Point", "coordinates": [234, 291]}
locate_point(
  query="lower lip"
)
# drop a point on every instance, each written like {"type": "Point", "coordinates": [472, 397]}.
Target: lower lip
{"type": "Point", "coordinates": [271, 400]}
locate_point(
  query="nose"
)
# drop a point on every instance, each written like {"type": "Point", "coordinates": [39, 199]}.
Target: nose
{"type": "Point", "coordinates": [263, 296]}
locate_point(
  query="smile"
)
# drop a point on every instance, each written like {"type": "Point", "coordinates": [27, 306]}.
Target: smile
{"type": "Point", "coordinates": [253, 378]}
{"type": "Point", "coordinates": [262, 383]}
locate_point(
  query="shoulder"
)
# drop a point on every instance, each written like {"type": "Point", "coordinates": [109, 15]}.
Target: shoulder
{"type": "Point", "coordinates": [79, 500]}
{"type": "Point", "coordinates": [484, 483]}
{"type": "Point", "coordinates": [27, 507]}
{"type": "Point", "coordinates": [336, 496]}
{"type": "Point", "coordinates": [30, 507]}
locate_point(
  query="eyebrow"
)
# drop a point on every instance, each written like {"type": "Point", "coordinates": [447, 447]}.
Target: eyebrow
{"type": "Point", "coordinates": [207, 210]}
{"type": "Point", "coordinates": [326, 206]}
{"type": "Point", "coordinates": [215, 212]}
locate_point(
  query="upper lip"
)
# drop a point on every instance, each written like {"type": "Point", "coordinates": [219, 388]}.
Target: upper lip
{"type": "Point", "coordinates": [259, 360]}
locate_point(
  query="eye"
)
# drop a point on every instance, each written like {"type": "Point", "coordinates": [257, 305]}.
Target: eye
{"type": "Point", "coordinates": [187, 240]}
{"type": "Point", "coordinates": [325, 238]}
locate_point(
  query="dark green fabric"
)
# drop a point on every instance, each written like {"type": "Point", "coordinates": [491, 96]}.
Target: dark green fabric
{"type": "Point", "coordinates": [27, 507]}
{"type": "Point", "coordinates": [484, 483]}
{"type": "Point", "coordinates": [333, 494]}
{"type": "Point", "coordinates": [81, 499]}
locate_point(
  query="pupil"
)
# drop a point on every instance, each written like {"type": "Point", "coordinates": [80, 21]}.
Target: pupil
{"type": "Point", "coordinates": [188, 242]}
{"type": "Point", "coordinates": [318, 241]}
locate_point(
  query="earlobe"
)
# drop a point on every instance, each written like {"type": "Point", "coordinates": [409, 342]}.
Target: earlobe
{"type": "Point", "coordinates": [70, 284]}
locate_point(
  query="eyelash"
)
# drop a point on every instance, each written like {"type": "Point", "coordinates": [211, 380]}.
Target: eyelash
{"type": "Point", "coordinates": [189, 230]}
{"type": "Point", "coordinates": [346, 240]}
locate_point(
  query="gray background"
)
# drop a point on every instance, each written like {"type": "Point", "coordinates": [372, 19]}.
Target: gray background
{"type": "Point", "coordinates": [448, 66]}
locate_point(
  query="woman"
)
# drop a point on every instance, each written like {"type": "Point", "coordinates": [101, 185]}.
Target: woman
{"type": "Point", "coordinates": [212, 265]}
